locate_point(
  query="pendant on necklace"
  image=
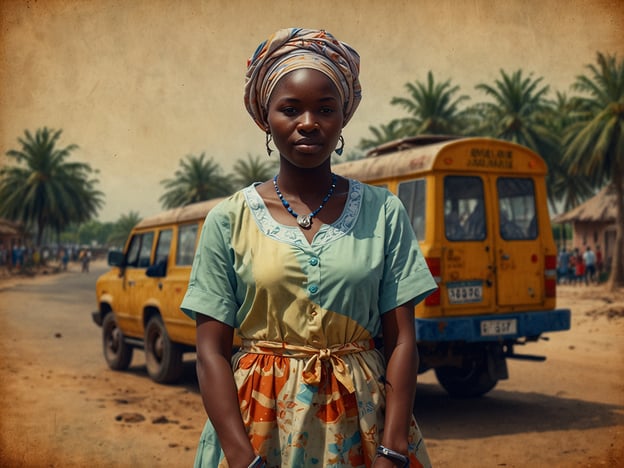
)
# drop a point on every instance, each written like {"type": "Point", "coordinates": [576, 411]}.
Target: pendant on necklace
{"type": "Point", "coordinates": [304, 221]}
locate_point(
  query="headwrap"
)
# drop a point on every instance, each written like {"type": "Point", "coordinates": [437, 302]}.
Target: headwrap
{"type": "Point", "coordinates": [294, 48]}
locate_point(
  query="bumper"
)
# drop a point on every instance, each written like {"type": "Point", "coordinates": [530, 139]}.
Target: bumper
{"type": "Point", "coordinates": [97, 317]}
{"type": "Point", "coordinates": [469, 329]}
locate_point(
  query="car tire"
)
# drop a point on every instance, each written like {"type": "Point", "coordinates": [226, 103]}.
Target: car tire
{"type": "Point", "coordinates": [163, 358]}
{"type": "Point", "coordinates": [117, 353]}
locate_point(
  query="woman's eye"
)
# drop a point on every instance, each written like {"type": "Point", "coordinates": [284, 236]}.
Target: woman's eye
{"type": "Point", "coordinates": [289, 110]}
{"type": "Point", "coordinates": [327, 110]}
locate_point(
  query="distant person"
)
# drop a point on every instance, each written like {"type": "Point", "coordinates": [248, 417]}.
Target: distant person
{"type": "Point", "coordinates": [64, 259]}
{"type": "Point", "coordinates": [563, 266]}
{"type": "Point", "coordinates": [589, 259]}
{"type": "Point", "coordinates": [599, 263]}
{"type": "Point", "coordinates": [18, 256]}
{"type": "Point", "coordinates": [579, 276]}
{"type": "Point", "coordinates": [85, 259]}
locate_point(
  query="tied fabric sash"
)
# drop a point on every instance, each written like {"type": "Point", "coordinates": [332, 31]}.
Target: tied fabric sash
{"type": "Point", "coordinates": [315, 356]}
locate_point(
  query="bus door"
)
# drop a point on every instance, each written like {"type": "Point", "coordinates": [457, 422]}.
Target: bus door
{"type": "Point", "coordinates": [468, 256]}
{"type": "Point", "coordinates": [519, 257]}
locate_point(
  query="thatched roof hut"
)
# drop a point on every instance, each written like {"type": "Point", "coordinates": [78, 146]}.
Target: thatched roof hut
{"type": "Point", "coordinates": [593, 223]}
{"type": "Point", "coordinates": [598, 209]}
{"type": "Point", "coordinates": [9, 228]}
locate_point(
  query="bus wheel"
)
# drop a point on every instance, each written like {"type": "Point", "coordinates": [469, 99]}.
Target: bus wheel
{"type": "Point", "coordinates": [470, 381]}
{"type": "Point", "coordinates": [117, 352]}
{"type": "Point", "coordinates": [163, 358]}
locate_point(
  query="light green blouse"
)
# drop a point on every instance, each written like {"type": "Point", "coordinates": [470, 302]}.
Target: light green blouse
{"type": "Point", "coordinates": [268, 281]}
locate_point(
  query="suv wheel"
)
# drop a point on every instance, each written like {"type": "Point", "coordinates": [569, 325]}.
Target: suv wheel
{"type": "Point", "coordinates": [117, 352]}
{"type": "Point", "coordinates": [163, 358]}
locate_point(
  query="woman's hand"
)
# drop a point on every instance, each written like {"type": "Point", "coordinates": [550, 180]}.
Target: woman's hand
{"type": "Point", "coordinates": [383, 462]}
{"type": "Point", "coordinates": [218, 390]}
{"type": "Point", "coordinates": [401, 372]}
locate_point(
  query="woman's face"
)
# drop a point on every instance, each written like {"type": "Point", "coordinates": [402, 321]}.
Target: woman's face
{"type": "Point", "coordinates": [305, 117]}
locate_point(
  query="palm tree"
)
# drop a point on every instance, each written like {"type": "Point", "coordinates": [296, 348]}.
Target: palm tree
{"type": "Point", "coordinates": [383, 134]}
{"type": "Point", "coordinates": [518, 112]}
{"type": "Point", "coordinates": [570, 188]}
{"type": "Point", "coordinates": [44, 190]}
{"type": "Point", "coordinates": [431, 107]}
{"type": "Point", "coordinates": [595, 142]}
{"type": "Point", "coordinates": [253, 169]}
{"type": "Point", "coordinates": [196, 180]}
{"type": "Point", "coordinates": [122, 227]}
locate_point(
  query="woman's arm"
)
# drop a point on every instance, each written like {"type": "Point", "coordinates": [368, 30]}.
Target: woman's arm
{"type": "Point", "coordinates": [401, 371]}
{"type": "Point", "coordinates": [218, 389]}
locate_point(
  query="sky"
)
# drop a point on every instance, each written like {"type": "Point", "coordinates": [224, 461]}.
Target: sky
{"type": "Point", "coordinates": [140, 84]}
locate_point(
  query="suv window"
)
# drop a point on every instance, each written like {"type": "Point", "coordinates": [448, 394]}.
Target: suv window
{"type": "Point", "coordinates": [140, 250]}
{"type": "Point", "coordinates": [187, 236]}
{"type": "Point", "coordinates": [163, 246]}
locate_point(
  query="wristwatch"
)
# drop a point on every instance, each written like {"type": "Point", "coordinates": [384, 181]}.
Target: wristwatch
{"type": "Point", "coordinates": [393, 455]}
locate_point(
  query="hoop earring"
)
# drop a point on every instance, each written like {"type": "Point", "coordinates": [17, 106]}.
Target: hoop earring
{"type": "Point", "coordinates": [268, 139]}
{"type": "Point", "coordinates": [340, 149]}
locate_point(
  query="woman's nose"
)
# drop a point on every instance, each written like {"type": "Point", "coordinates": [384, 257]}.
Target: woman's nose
{"type": "Point", "coordinates": [308, 123]}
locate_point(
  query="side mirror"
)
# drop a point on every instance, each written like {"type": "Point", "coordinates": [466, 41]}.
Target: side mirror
{"type": "Point", "coordinates": [157, 270]}
{"type": "Point", "coordinates": [116, 258]}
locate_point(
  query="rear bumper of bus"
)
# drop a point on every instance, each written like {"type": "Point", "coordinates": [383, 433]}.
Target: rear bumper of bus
{"type": "Point", "coordinates": [496, 327]}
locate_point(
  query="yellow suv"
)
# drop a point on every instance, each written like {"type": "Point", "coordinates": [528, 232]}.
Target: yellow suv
{"type": "Point", "coordinates": [139, 298]}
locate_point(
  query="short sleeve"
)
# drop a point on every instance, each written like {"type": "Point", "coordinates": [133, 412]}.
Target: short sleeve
{"type": "Point", "coordinates": [212, 283]}
{"type": "Point", "coordinates": [406, 274]}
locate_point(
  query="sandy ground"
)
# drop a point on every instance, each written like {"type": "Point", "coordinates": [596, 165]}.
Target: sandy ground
{"type": "Point", "coordinates": [62, 407]}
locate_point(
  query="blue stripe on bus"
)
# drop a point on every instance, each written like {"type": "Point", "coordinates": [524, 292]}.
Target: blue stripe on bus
{"type": "Point", "coordinates": [529, 324]}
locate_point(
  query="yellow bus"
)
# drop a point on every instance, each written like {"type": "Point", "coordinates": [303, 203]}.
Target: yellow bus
{"type": "Point", "coordinates": [478, 207]}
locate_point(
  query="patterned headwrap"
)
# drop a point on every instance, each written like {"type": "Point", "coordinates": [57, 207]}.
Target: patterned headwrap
{"type": "Point", "coordinates": [294, 48]}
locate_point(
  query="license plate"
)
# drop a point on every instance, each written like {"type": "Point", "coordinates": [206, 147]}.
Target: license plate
{"type": "Point", "coordinates": [465, 292]}
{"type": "Point", "coordinates": [499, 327]}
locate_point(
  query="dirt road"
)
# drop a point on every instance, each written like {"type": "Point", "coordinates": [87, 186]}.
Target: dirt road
{"type": "Point", "coordinates": [62, 407]}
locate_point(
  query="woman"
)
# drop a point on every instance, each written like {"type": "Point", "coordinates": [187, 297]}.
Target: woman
{"type": "Point", "coordinates": [313, 270]}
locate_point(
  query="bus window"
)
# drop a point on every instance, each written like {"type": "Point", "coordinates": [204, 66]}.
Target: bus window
{"type": "Point", "coordinates": [464, 209]}
{"type": "Point", "coordinates": [516, 202]}
{"type": "Point", "coordinates": [412, 194]}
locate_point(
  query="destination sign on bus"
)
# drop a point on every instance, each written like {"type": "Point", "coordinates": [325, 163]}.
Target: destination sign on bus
{"type": "Point", "coordinates": [489, 158]}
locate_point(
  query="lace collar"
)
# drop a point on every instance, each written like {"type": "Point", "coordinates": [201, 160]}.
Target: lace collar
{"type": "Point", "coordinates": [293, 235]}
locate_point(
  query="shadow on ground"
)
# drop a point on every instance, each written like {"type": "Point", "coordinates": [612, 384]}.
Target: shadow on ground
{"type": "Point", "coordinates": [503, 412]}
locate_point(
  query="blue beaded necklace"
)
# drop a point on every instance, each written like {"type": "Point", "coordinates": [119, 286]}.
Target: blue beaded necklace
{"type": "Point", "coordinates": [305, 221]}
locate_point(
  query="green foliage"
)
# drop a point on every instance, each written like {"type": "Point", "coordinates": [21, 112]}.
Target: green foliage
{"type": "Point", "coordinates": [572, 189]}
{"type": "Point", "coordinates": [121, 229]}
{"type": "Point", "coordinates": [44, 190]}
{"type": "Point", "coordinates": [253, 169]}
{"type": "Point", "coordinates": [594, 143]}
{"type": "Point", "coordinates": [395, 130]}
{"type": "Point", "coordinates": [432, 108]}
{"type": "Point", "coordinates": [595, 139]}
{"type": "Point", "coordinates": [519, 112]}
{"type": "Point", "coordinates": [196, 180]}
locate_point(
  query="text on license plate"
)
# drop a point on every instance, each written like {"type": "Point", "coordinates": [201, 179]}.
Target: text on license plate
{"type": "Point", "coordinates": [463, 292]}
{"type": "Point", "coordinates": [499, 327]}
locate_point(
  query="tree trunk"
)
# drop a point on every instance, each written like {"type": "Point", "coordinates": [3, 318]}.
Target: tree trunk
{"type": "Point", "coordinates": [616, 278]}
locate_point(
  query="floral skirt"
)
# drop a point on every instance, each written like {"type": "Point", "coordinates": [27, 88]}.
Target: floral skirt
{"type": "Point", "coordinates": [311, 408]}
